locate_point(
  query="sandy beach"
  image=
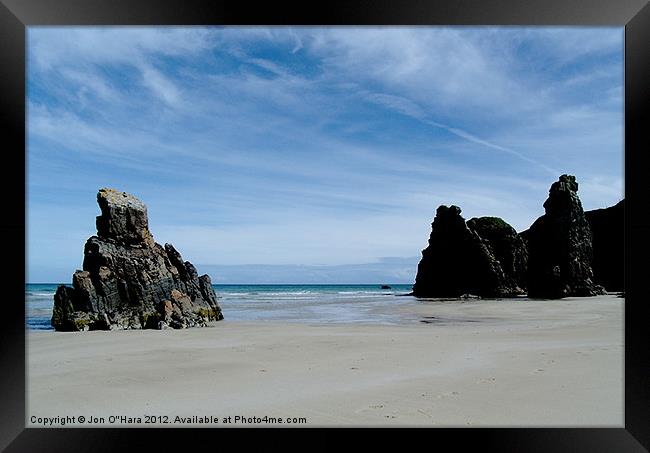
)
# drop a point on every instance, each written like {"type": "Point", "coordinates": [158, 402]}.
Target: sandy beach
{"type": "Point", "coordinates": [476, 363]}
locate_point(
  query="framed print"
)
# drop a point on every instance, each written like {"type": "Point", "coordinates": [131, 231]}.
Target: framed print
{"type": "Point", "coordinates": [361, 215]}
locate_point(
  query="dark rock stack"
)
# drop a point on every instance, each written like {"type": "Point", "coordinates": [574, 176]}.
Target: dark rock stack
{"type": "Point", "coordinates": [458, 262]}
{"type": "Point", "coordinates": [560, 246]}
{"type": "Point", "coordinates": [507, 246]}
{"type": "Point", "coordinates": [607, 230]}
{"type": "Point", "coordinates": [130, 282]}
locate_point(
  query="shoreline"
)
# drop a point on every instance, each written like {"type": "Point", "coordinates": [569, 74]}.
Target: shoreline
{"type": "Point", "coordinates": [472, 363]}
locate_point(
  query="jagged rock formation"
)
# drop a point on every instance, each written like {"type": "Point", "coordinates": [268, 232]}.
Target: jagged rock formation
{"type": "Point", "coordinates": [506, 245]}
{"type": "Point", "coordinates": [130, 282]}
{"type": "Point", "coordinates": [457, 261]}
{"type": "Point", "coordinates": [607, 230]}
{"type": "Point", "coordinates": [560, 246]}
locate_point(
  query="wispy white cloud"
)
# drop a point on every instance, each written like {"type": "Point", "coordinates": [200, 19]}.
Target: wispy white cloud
{"type": "Point", "coordinates": [568, 44]}
{"type": "Point", "coordinates": [90, 47]}
{"type": "Point", "coordinates": [319, 145]}
{"type": "Point", "coordinates": [409, 108]}
{"type": "Point", "coordinates": [439, 66]}
{"type": "Point", "coordinates": [159, 84]}
{"type": "Point", "coordinates": [54, 47]}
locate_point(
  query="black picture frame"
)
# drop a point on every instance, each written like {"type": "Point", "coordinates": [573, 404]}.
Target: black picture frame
{"type": "Point", "coordinates": [16, 15]}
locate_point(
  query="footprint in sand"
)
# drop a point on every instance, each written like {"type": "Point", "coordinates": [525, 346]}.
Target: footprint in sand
{"type": "Point", "coordinates": [489, 380]}
{"type": "Point", "coordinates": [448, 395]}
{"type": "Point", "coordinates": [430, 395]}
{"type": "Point", "coordinates": [371, 407]}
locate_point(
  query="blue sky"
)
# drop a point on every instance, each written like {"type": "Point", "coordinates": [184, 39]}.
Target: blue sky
{"type": "Point", "coordinates": [310, 149]}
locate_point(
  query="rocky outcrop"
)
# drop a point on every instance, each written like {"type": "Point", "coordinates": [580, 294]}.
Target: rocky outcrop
{"type": "Point", "coordinates": [129, 281]}
{"type": "Point", "coordinates": [458, 261]}
{"type": "Point", "coordinates": [560, 250]}
{"type": "Point", "coordinates": [607, 230]}
{"type": "Point", "coordinates": [507, 246]}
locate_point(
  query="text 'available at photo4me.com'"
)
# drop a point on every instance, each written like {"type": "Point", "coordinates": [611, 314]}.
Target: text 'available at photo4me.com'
{"type": "Point", "coordinates": [85, 420]}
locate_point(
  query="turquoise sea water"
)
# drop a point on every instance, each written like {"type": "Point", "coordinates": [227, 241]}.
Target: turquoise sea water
{"type": "Point", "coordinates": [288, 303]}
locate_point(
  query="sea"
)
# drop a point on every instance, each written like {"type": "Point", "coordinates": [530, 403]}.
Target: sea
{"type": "Point", "coordinates": [285, 303]}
